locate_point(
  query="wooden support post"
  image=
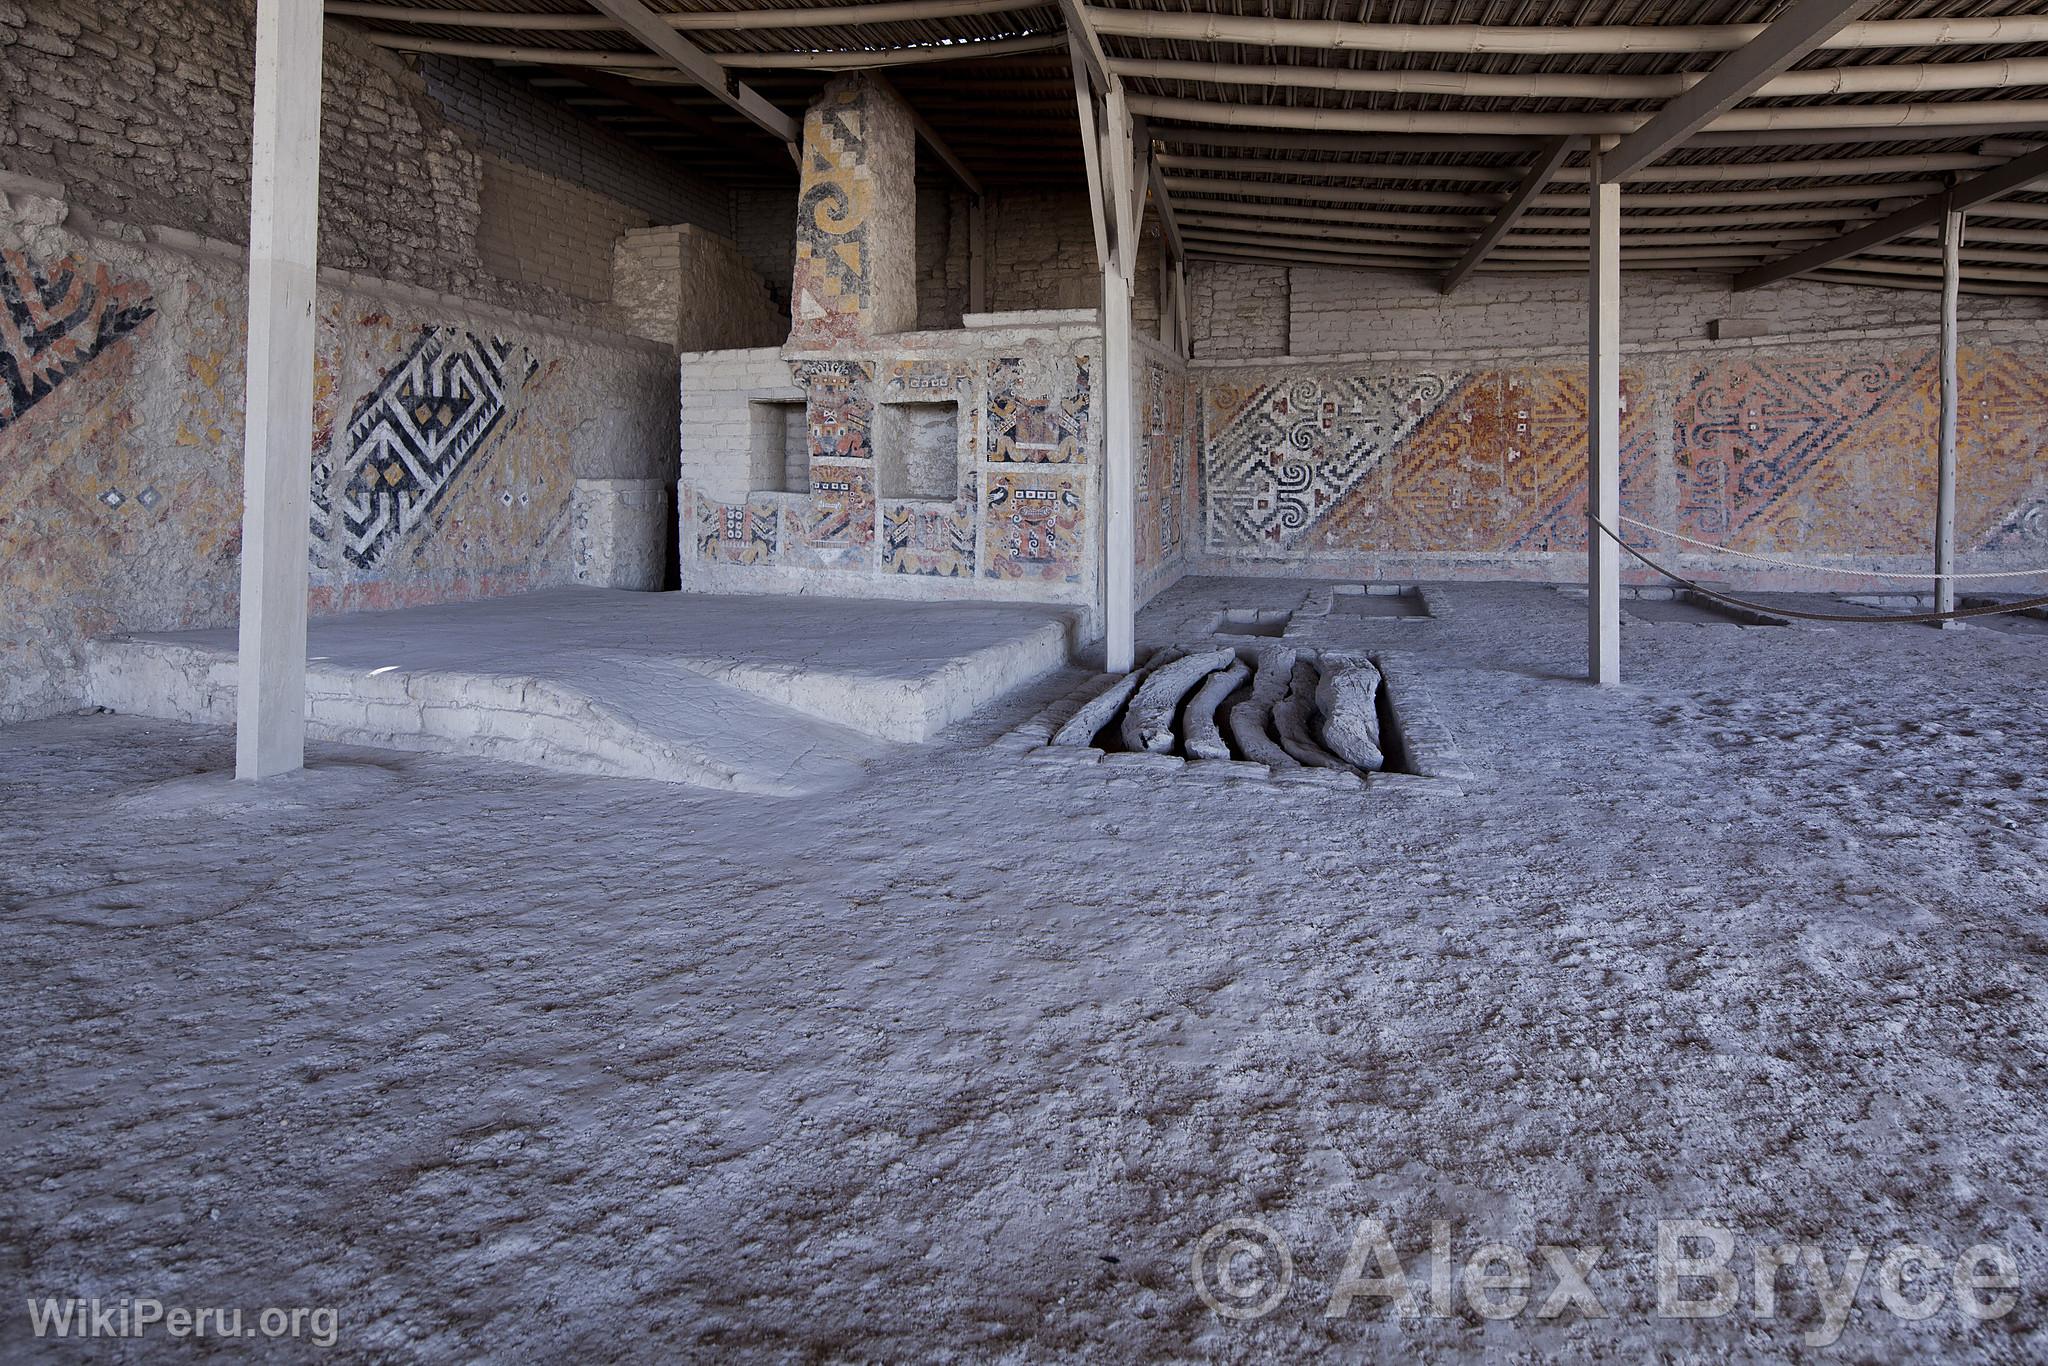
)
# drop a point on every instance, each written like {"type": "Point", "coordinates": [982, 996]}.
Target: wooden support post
{"type": "Point", "coordinates": [1534, 181]}
{"type": "Point", "coordinates": [277, 443]}
{"type": "Point", "coordinates": [1945, 476]}
{"type": "Point", "coordinates": [1119, 472]}
{"type": "Point", "coordinates": [1603, 427]}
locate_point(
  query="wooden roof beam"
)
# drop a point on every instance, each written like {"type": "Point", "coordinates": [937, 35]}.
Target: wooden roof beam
{"type": "Point", "coordinates": [827, 16]}
{"type": "Point", "coordinates": [930, 137]}
{"type": "Point", "coordinates": [1540, 173]}
{"type": "Point", "coordinates": [1738, 76]}
{"type": "Point", "coordinates": [2015, 175]}
{"type": "Point", "coordinates": [697, 64]}
{"type": "Point", "coordinates": [619, 88]}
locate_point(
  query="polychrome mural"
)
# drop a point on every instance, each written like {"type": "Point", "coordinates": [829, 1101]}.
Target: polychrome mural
{"type": "Point", "coordinates": [1165, 472]}
{"type": "Point", "coordinates": [1761, 451]}
{"type": "Point", "coordinates": [735, 533]}
{"type": "Point", "coordinates": [56, 320]}
{"type": "Point", "coordinates": [1035, 526]}
{"type": "Point", "coordinates": [1037, 410]}
{"type": "Point", "coordinates": [833, 284]}
{"type": "Point", "coordinates": [837, 407]}
{"type": "Point", "coordinates": [918, 538]}
{"type": "Point", "coordinates": [1019, 511]}
{"type": "Point", "coordinates": [413, 437]}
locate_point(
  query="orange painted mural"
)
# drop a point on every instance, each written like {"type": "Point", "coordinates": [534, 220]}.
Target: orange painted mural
{"type": "Point", "coordinates": [1802, 456]}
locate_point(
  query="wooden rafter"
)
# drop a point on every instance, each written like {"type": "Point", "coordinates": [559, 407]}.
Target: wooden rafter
{"type": "Point", "coordinates": [2016, 174]}
{"type": "Point", "coordinates": [702, 69]}
{"type": "Point", "coordinates": [1540, 174]}
{"type": "Point", "coordinates": [1739, 75]}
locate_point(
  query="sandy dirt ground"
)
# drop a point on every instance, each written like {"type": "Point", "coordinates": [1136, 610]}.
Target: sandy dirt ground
{"type": "Point", "coordinates": [961, 1064]}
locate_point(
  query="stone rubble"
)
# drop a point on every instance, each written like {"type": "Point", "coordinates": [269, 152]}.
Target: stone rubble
{"type": "Point", "coordinates": [1203, 737]}
{"type": "Point", "coordinates": [1348, 701]}
{"type": "Point", "coordinates": [1294, 719]}
{"type": "Point", "coordinates": [1248, 718]}
{"type": "Point", "coordinates": [1149, 719]}
{"type": "Point", "coordinates": [1100, 710]}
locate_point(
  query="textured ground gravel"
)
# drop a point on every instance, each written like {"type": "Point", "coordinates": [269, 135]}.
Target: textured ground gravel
{"type": "Point", "coordinates": [961, 1064]}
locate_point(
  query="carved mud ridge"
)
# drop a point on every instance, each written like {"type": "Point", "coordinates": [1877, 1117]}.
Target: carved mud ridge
{"type": "Point", "coordinates": [1272, 712]}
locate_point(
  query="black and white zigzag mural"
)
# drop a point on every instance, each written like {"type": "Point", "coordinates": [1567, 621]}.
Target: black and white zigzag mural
{"type": "Point", "coordinates": [410, 439]}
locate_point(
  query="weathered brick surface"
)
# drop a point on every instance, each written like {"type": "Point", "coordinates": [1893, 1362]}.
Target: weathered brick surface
{"type": "Point", "coordinates": [1044, 256]}
{"type": "Point", "coordinates": [455, 180]}
{"type": "Point", "coordinates": [509, 120]}
{"type": "Point", "coordinates": [1237, 310]}
{"type": "Point", "coordinates": [690, 289]}
{"type": "Point", "coordinates": [143, 109]}
{"type": "Point", "coordinates": [1244, 310]}
{"type": "Point", "coordinates": [537, 230]}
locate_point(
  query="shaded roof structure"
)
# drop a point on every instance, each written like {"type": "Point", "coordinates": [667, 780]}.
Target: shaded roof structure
{"type": "Point", "coordinates": [1414, 135]}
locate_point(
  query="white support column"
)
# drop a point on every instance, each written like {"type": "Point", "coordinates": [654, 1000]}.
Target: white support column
{"type": "Point", "coordinates": [1119, 466]}
{"type": "Point", "coordinates": [284, 220]}
{"type": "Point", "coordinates": [1945, 476]}
{"type": "Point", "coordinates": [1603, 427]}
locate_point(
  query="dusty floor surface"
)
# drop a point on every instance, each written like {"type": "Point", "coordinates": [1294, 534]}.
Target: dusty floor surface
{"type": "Point", "coordinates": [962, 1063]}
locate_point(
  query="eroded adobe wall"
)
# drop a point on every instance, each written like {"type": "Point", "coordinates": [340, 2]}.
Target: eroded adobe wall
{"type": "Point", "coordinates": [460, 402]}
{"type": "Point", "coordinates": [692, 290]}
{"type": "Point", "coordinates": [448, 177]}
{"type": "Point", "coordinates": [449, 440]}
{"type": "Point", "coordinates": [1410, 435]}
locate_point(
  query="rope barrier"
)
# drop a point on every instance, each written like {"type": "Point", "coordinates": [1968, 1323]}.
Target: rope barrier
{"type": "Point", "coordinates": [1996, 609]}
{"type": "Point", "coordinates": [1824, 568]}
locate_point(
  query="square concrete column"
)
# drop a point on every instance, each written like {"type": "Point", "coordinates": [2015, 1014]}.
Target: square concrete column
{"type": "Point", "coordinates": [1603, 428]}
{"type": "Point", "coordinates": [856, 230]}
{"type": "Point", "coordinates": [284, 219]}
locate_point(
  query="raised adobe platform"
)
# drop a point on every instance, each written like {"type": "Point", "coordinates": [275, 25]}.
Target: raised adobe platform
{"type": "Point", "coordinates": [756, 694]}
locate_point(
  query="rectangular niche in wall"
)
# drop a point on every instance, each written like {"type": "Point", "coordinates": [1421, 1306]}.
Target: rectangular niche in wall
{"type": "Point", "coordinates": [779, 450]}
{"type": "Point", "coordinates": [917, 450]}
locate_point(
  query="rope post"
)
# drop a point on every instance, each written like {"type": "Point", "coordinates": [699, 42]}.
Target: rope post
{"type": "Point", "coordinates": [1603, 424]}
{"type": "Point", "coordinates": [1945, 472]}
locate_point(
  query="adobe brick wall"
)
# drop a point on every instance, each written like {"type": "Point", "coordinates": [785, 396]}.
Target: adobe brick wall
{"type": "Point", "coordinates": [448, 258]}
{"type": "Point", "coordinates": [540, 231]}
{"type": "Point", "coordinates": [690, 289]}
{"type": "Point", "coordinates": [764, 230]}
{"type": "Point", "coordinates": [449, 178]}
{"type": "Point", "coordinates": [508, 119]}
{"type": "Point", "coordinates": [142, 109]}
{"type": "Point", "coordinates": [121, 465]}
{"type": "Point", "coordinates": [1257, 310]}
{"type": "Point", "coordinates": [1362, 424]}
{"type": "Point", "coordinates": [1237, 310]}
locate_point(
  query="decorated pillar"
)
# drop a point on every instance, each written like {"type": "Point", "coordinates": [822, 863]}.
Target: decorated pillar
{"type": "Point", "coordinates": [856, 230]}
